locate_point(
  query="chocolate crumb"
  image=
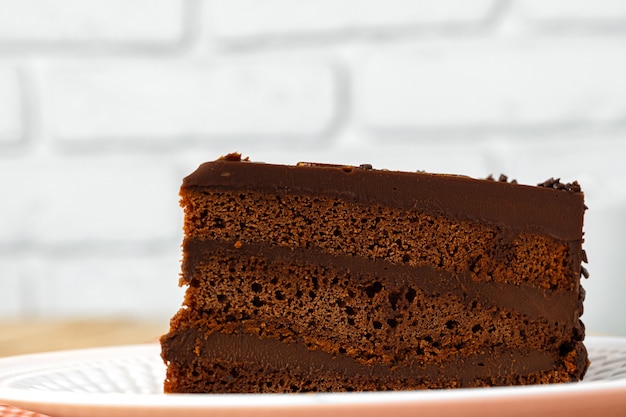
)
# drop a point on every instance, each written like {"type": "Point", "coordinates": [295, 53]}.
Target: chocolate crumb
{"type": "Point", "coordinates": [584, 253]}
{"type": "Point", "coordinates": [584, 272]}
{"type": "Point", "coordinates": [573, 187]}
{"type": "Point", "coordinates": [548, 183]}
{"type": "Point", "coordinates": [346, 168]}
{"type": "Point", "coordinates": [319, 165]}
{"type": "Point", "coordinates": [233, 156]}
{"type": "Point", "coordinates": [501, 178]}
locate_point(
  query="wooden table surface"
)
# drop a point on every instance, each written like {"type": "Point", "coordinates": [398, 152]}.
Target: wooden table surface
{"type": "Point", "coordinates": [31, 336]}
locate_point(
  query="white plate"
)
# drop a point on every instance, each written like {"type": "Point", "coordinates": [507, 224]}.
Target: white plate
{"type": "Point", "coordinates": [127, 381]}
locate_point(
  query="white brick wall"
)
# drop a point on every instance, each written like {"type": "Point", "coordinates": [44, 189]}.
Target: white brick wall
{"type": "Point", "coordinates": [491, 85]}
{"type": "Point", "coordinates": [105, 106]}
{"type": "Point", "coordinates": [11, 300]}
{"type": "Point", "coordinates": [605, 12]}
{"type": "Point", "coordinates": [240, 19]}
{"type": "Point", "coordinates": [11, 105]}
{"type": "Point", "coordinates": [141, 100]}
{"type": "Point", "coordinates": [87, 278]}
{"type": "Point", "coordinates": [77, 201]}
{"type": "Point", "coordinates": [48, 22]}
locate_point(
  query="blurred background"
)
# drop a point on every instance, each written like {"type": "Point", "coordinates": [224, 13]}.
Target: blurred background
{"type": "Point", "coordinates": [106, 105]}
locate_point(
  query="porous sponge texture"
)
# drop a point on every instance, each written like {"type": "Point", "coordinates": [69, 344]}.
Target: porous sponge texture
{"type": "Point", "coordinates": [485, 252]}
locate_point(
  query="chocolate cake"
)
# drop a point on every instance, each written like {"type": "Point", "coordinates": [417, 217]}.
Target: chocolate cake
{"type": "Point", "coordinates": [320, 277]}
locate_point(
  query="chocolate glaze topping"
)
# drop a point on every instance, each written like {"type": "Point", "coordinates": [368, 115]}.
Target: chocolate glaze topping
{"type": "Point", "coordinates": [495, 202]}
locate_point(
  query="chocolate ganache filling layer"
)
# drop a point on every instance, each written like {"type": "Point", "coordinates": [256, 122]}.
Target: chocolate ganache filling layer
{"type": "Point", "coordinates": [191, 346]}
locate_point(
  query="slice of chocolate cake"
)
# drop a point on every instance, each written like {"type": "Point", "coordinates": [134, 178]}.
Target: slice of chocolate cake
{"type": "Point", "coordinates": [320, 277]}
